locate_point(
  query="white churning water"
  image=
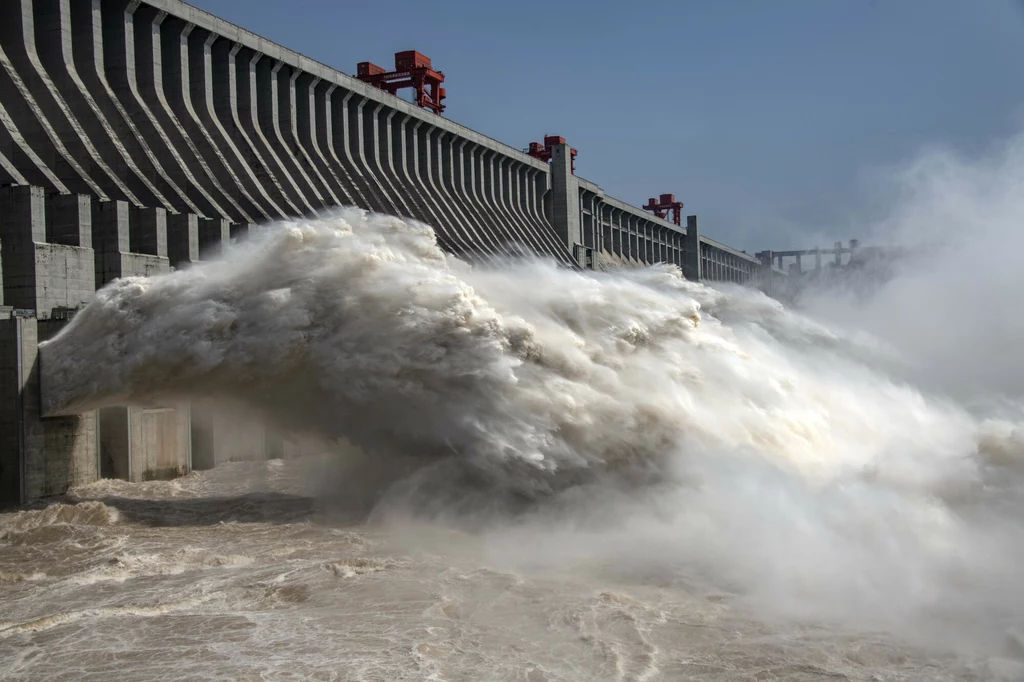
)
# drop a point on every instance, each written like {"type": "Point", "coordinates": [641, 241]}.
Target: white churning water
{"type": "Point", "coordinates": [572, 476]}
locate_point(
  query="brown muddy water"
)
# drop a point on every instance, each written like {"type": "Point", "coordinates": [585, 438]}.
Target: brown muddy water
{"type": "Point", "coordinates": [239, 574]}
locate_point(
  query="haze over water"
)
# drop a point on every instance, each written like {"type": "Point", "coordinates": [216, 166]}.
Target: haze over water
{"type": "Point", "coordinates": [534, 474]}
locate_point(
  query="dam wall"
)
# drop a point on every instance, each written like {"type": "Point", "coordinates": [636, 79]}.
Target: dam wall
{"type": "Point", "coordinates": [141, 137]}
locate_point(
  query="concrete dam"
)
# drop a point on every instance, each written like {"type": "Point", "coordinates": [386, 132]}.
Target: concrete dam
{"type": "Point", "coordinates": [142, 137]}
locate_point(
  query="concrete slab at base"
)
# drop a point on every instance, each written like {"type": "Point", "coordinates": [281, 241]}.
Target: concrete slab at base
{"type": "Point", "coordinates": [139, 443]}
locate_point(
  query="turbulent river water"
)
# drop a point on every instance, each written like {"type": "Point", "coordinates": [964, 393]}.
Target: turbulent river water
{"type": "Point", "coordinates": [529, 473]}
{"type": "Point", "coordinates": [237, 574]}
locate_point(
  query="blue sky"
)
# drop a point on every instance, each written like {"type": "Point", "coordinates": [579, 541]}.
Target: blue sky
{"type": "Point", "coordinates": [771, 119]}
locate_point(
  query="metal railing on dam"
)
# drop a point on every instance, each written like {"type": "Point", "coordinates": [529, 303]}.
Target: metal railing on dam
{"type": "Point", "coordinates": [137, 137]}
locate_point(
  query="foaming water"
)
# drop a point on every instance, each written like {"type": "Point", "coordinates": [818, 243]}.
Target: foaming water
{"type": "Point", "coordinates": [535, 376]}
{"type": "Point", "coordinates": [654, 477]}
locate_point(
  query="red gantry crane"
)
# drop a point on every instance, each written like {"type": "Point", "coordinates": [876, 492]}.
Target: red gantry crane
{"type": "Point", "coordinates": [543, 151]}
{"type": "Point", "coordinates": [412, 70]}
{"type": "Point", "coordinates": [666, 203]}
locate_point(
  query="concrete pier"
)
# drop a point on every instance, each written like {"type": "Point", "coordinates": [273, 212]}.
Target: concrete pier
{"type": "Point", "coordinates": [44, 282]}
{"type": "Point", "coordinates": [137, 137]}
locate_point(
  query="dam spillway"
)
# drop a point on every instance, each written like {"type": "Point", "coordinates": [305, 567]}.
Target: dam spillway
{"type": "Point", "coordinates": [141, 137]}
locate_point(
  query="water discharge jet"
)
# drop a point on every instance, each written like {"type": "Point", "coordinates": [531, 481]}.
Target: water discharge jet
{"type": "Point", "coordinates": [769, 450]}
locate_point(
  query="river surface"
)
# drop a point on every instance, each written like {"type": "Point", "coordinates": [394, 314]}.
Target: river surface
{"type": "Point", "coordinates": [239, 574]}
